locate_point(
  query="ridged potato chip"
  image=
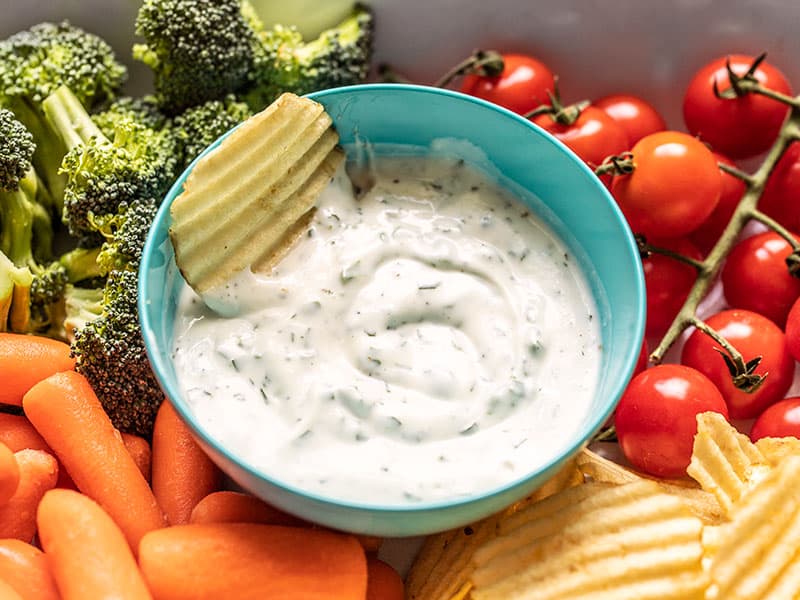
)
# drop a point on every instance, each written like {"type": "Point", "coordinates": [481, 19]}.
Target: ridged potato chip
{"type": "Point", "coordinates": [757, 555]}
{"type": "Point", "coordinates": [703, 504]}
{"type": "Point", "coordinates": [243, 204]}
{"type": "Point", "coordinates": [596, 541]}
{"type": "Point", "coordinates": [776, 449]}
{"type": "Point", "coordinates": [724, 461]}
{"type": "Point", "coordinates": [443, 566]}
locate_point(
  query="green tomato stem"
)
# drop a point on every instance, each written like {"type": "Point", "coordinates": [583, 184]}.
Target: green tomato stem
{"type": "Point", "coordinates": [745, 211]}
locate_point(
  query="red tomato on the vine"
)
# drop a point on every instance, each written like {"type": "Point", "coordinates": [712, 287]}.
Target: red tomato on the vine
{"type": "Point", "coordinates": [636, 116]}
{"type": "Point", "coordinates": [593, 136]}
{"type": "Point", "coordinates": [781, 197]}
{"type": "Point", "coordinates": [733, 188]}
{"type": "Point", "coordinates": [752, 335]}
{"type": "Point", "coordinates": [755, 276]}
{"type": "Point", "coordinates": [521, 87]}
{"type": "Point", "coordinates": [675, 185]}
{"type": "Point", "coordinates": [742, 126]}
{"type": "Point", "coordinates": [667, 282]}
{"type": "Point", "coordinates": [793, 330]}
{"type": "Point", "coordinates": [782, 419]}
{"type": "Point", "coordinates": [656, 417]}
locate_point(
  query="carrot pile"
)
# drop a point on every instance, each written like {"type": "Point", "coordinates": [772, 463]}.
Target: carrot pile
{"type": "Point", "coordinates": [88, 512]}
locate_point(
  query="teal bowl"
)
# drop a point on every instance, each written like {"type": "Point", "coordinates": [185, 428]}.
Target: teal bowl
{"type": "Point", "coordinates": [551, 180]}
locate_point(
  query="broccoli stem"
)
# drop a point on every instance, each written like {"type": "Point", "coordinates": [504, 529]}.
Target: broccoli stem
{"type": "Point", "coordinates": [15, 289]}
{"type": "Point", "coordinates": [81, 264]}
{"type": "Point", "coordinates": [16, 231]}
{"type": "Point", "coordinates": [69, 119]}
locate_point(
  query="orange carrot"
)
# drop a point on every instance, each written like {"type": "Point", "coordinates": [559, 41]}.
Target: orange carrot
{"type": "Point", "coordinates": [8, 593]}
{"type": "Point", "coordinates": [87, 552]}
{"type": "Point", "coordinates": [38, 472]}
{"type": "Point", "coordinates": [9, 474]}
{"type": "Point", "coordinates": [17, 433]}
{"type": "Point", "coordinates": [26, 360]}
{"type": "Point", "coordinates": [383, 582]}
{"type": "Point", "coordinates": [371, 543]}
{"type": "Point", "coordinates": [248, 562]}
{"type": "Point", "coordinates": [139, 449]}
{"type": "Point", "coordinates": [68, 415]}
{"type": "Point", "coordinates": [182, 473]}
{"type": "Point", "coordinates": [25, 568]}
{"type": "Point", "coordinates": [238, 507]}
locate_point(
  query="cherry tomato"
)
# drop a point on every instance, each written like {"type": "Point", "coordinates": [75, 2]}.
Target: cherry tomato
{"type": "Point", "coordinates": [675, 185]}
{"type": "Point", "coordinates": [755, 276]}
{"type": "Point", "coordinates": [793, 330]}
{"type": "Point", "coordinates": [739, 127]}
{"type": "Point", "coordinates": [781, 197]}
{"type": "Point", "coordinates": [656, 417]}
{"type": "Point", "coordinates": [593, 136]}
{"type": "Point", "coordinates": [521, 87]}
{"type": "Point", "coordinates": [667, 282]}
{"type": "Point", "coordinates": [636, 116]}
{"type": "Point", "coordinates": [709, 231]}
{"type": "Point", "coordinates": [782, 419]}
{"type": "Point", "coordinates": [752, 335]}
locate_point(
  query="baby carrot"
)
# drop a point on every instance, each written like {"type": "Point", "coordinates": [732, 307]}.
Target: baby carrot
{"type": "Point", "coordinates": [87, 552]}
{"type": "Point", "coordinates": [9, 474]}
{"type": "Point", "coordinates": [68, 415]}
{"type": "Point", "coordinates": [139, 449]}
{"type": "Point", "coordinates": [237, 507]}
{"type": "Point", "coordinates": [182, 474]}
{"type": "Point", "coordinates": [27, 359]}
{"type": "Point", "coordinates": [249, 562]}
{"type": "Point", "coordinates": [17, 433]}
{"type": "Point", "coordinates": [383, 582]}
{"type": "Point", "coordinates": [38, 472]}
{"type": "Point", "coordinates": [25, 568]}
{"type": "Point", "coordinates": [8, 593]}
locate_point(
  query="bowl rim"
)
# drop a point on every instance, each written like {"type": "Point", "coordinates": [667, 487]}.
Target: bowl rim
{"type": "Point", "coordinates": [580, 439]}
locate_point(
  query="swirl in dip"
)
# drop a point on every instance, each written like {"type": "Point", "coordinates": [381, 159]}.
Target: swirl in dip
{"type": "Point", "coordinates": [429, 340]}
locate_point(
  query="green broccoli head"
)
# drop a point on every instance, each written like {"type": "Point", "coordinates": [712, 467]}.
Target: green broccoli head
{"type": "Point", "coordinates": [109, 351]}
{"type": "Point", "coordinates": [39, 60]}
{"type": "Point", "coordinates": [16, 151]}
{"type": "Point", "coordinates": [104, 172]}
{"type": "Point", "coordinates": [144, 110]}
{"type": "Point", "coordinates": [198, 50]}
{"type": "Point", "coordinates": [125, 234]}
{"type": "Point", "coordinates": [199, 126]}
{"type": "Point", "coordinates": [339, 56]}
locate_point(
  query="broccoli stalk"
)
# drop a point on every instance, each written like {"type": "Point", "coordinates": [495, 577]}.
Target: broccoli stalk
{"type": "Point", "coordinates": [37, 61]}
{"type": "Point", "coordinates": [102, 173]}
{"type": "Point", "coordinates": [15, 285]}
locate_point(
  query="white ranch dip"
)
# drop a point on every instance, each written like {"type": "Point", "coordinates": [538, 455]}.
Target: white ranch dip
{"type": "Point", "coordinates": [427, 341]}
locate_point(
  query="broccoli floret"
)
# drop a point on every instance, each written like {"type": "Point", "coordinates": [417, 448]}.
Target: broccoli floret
{"type": "Point", "coordinates": [26, 231]}
{"type": "Point", "coordinates": [34, 63]}
{"type": "Point", "coordinates": [199, 126]}
{"type": "Point", "coordinates": [109, 351]}
{"type": "Point", "coordinates": [198, 50]}
{"type": "Point", "coordinates": [125, 233]}
{"type": "Point", "coordinates": [339, 56]}
{"type": "Point", "coordinates": [144, 111]}
{"type": "Point", "coordinates": [102, 173]}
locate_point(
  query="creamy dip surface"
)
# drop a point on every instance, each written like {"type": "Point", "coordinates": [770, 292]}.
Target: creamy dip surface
{"type": "Point", "coordinates": [427, 341]}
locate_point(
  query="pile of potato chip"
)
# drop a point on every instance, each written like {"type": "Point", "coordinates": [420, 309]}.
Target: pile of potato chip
{"type": "Point", "coordinates": [600, 531]}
